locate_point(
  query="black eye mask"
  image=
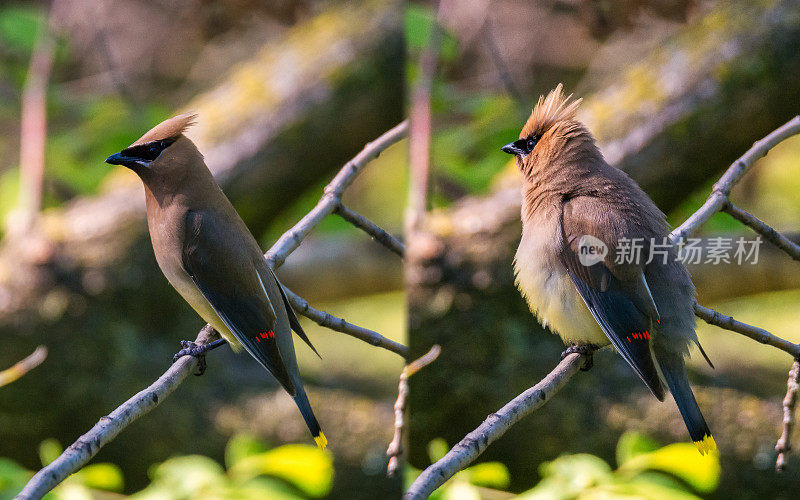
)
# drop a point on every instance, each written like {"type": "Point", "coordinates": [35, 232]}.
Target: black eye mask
{"type": "Point", "coordinates": [140, 155]}
{"type": "Point", "coordinates": [522, 146]}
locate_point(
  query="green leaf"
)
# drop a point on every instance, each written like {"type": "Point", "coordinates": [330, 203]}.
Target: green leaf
{"type": "Point", "coordinates": [241, 446]}
{"type": "Point", "coordinates": [191, 475]}
{"type": "Point", "coordinates": [306, 467]}
{"type": "Point", "coordinates": [633, 444]}
{"type": "Point", "coordinates": [437, 449]}
{"type": "Point", "coordinates": [460, 490]}
{"type": "Point", "coordinates": [489, 475]}
{"type": "Point", "coordinates": [49, 450]}
{"type": "Point", "coordinates": [104, 476]}
{"type": "Point", "coordinates": [682, 460]}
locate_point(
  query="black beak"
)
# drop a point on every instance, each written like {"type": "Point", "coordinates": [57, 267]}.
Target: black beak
{"type": "Point", "coordinates": [121, 159]}
{"type": "Point", "coordinates": [512, 149]}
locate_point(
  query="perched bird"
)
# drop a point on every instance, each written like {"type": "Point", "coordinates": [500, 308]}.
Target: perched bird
{"type": "Point", "coordinates": [210, 257]}
{"type": "Point", "coordinates": [579, 215]}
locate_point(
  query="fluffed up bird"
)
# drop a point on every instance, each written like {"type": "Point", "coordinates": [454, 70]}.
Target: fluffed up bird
{"type": "Point", "coordinates": [210, 257]}
{"type": "Point", "coordinates": [578, 216]}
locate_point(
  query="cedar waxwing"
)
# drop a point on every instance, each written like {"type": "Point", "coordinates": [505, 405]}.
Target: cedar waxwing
{"type": "Point", "coordinates": [210, 257]}
{"type": "Point", "coordinates": [578, 214]}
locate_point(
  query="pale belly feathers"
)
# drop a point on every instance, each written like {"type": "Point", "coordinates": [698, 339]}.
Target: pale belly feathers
{"type": "Point", "coordinates": [549, 291]}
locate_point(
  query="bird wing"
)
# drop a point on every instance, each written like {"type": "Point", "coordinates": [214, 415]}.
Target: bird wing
{"type": "Point", "coordinates": [617, 295]}
{"type": "Point", "coordinates": [294, 322]}
{"type": "Point", "coordinates": [225, 275]}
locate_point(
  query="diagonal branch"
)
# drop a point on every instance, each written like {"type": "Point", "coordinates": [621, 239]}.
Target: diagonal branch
{"type": "Point", "coordinates": [330, 321]}
{"type": "Point", "coordinates": [108, 427]}
{"type": "Point", "coordinates": [769, 234]}
{"type": "Point", "coordinates": [495, 425]}
{"type": "Point", "coordinates": [372, 229]}
{"type": "Point", "coordinates": [715, 318]}
{"type": "Point", "coordinates": [722, 189]}
{"type": "Point", "coordinates": [292, 238]}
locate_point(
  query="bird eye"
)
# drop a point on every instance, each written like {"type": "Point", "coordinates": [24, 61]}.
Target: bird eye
{"type": "Point", "coordinates": [531, 144]}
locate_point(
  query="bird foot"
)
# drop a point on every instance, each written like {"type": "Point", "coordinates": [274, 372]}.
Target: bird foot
{"type": "Point", "coordinates": [189, 348]}
{"type": "Point", "coordinates": [585, 350]}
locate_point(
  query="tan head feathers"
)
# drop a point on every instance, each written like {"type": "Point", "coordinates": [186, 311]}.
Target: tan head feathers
{"type": "Point", "coordinates": [550, 110]}
{"type": "Point", "coordinates": [168, 129]}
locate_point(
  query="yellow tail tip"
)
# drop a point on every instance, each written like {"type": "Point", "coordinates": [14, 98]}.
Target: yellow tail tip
{"type": "Point", "coordinates": [706, 445]}
{"type": "Point", "coordinates": [322, 441]}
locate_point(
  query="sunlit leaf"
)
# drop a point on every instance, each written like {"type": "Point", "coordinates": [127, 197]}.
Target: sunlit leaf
{"type": "Point", "coordinates": [49, 450]}
{"type": "Point", "coordinates": [184, 476]}
{"type": "Point", "coordinates": [306, 467]}
{"type": "Point", "coordinates": [102, 476]}
{"type": "Point", "coordinates": [241, 446]}
{"type": "Point", "coordinates": [681, 460]}
{"type": "Point", "coordinates": [632, 444]}
{"type": "Point", "coordinates": [437, 449]}
{"type": "Point", "coordinates": [460, 490]}
{"type": "Point", "coordinates": [489, 474]}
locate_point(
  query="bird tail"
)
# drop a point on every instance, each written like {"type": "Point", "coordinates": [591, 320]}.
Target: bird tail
{"type": "Point", "coordinates": [674, 372]}
{"type": "Point", "coordinates": [301, 400]}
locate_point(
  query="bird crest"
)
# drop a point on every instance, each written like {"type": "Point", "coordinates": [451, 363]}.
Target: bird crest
{"type": "Point", "coordinates": [549, 111]}
{"type": "Point", "coordinates": [168, 129]}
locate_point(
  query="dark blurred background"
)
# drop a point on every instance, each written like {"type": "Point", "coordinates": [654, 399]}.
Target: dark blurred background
{"type": "Point", "coordinates": [674, 92]}
{"type": "Point", "coordinates": [286, 92]}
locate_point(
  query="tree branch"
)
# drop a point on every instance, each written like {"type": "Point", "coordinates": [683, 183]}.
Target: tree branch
{"type": "Point", "coordinates": [331, 322]}
{"type": "Point", "coordinates": [372, 229]}
{"type": "Point", "coordinates": [722, 189]}
{"type": "Point", "coordinates": [292, 238]}
{"type": "Point", "coordinates": [769, 234]}
{"type": "Point", "coordinates": [495, 425]}
{"type": "Point", "coordinates": [23, 366]}
{"type": "Point", "coordinates": [715, 318]}
{"type": "Point", "coordinates": [784, 444]}
{"type": "Point", "coordinates": [395, 449]}
{"type": "Point", "coordinates": [108, 427]}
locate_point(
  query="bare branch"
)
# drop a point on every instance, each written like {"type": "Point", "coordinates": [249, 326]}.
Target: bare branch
{"type": "Point", "coordinates": [292, 238]}
{"type": "Point", "coordinates": [330, 321]}
{"type": "Point", "coordinates": [721, 190]}
{"type": "Point", "coordinates": [495, 425]}
{"type": "Point", "coordinates": [395, 448]}
{"type": "Point", "coordinates": [33, 133]}
{"type": "Point", "coordinates": [107, 428]}
{"type": "Point", "coordinates": [715, 318]}
{"type": "Point", "coordinates": [784, 444]}
{"type": "Point", "coordinates": [372, 229]}
{"type": "Point", "coordinates": [24, 366]}
{"type": "Point", "coordinates": [769, 234]}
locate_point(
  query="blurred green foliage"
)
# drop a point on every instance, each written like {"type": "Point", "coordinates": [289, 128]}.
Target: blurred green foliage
{"type": "Point", "coordinates": [253, 471]}
{"type": "Point", "coordinates": [106, 122]}
{"type": "Point", "coordinates": [674, 472]}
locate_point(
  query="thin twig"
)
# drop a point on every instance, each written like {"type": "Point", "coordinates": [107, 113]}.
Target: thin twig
{"type": "Point", "coordinates": [784, 444]}
{"type": "Point", "coordinates": [721, 190]}
{"type": "Point", "coordinates": [715, 318]}
{"type": "Point", "coordinates": [23, 366]}
{"type": "Point", "coordinates": [372, 229]}
{"type": "Point", "coordinates": [495, 425]}
{"type": "Point", "coordinates": [33, 133]}
{"type": "Point", "coordinates": [108, 427]}
{"type": "Point", "coordinates": [332, 322]}
{"type": "Point", "coordinates": [291, 239]}
{"type": "Point", "coordinates": [419, 155]}
{"type": "Point", "coordinates": [395, 449]}
{"type": "Point", "coordinates": [769, 234]}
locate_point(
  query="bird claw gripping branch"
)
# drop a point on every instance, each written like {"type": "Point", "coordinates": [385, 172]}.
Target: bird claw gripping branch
{"type": "Point", "coordinates": [189, 348]}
